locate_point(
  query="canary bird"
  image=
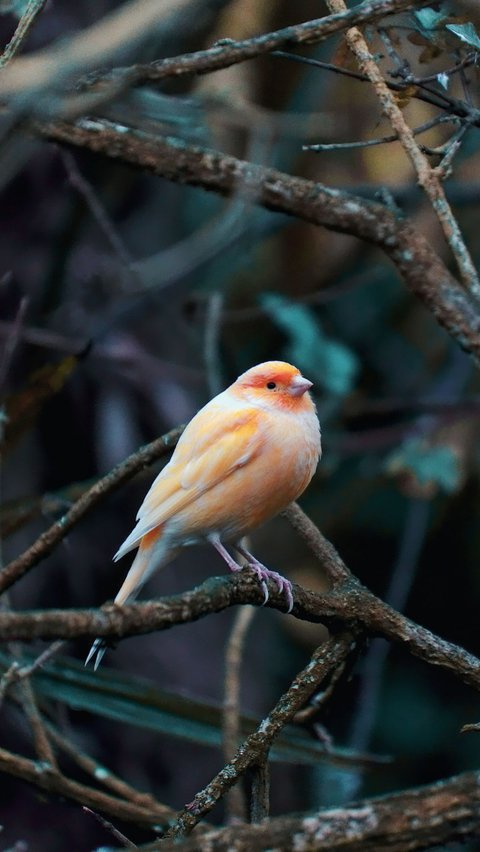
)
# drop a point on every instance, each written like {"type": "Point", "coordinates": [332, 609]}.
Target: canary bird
{"type": "Point", "coordinates": [243, 458]}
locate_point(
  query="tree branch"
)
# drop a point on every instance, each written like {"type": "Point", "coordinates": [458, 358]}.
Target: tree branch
{"type": "Point", "coordinates": [421, 818]}
{"type": "Point", "coordinates": [124, 471]}
{"type": "Point", "coordinates": [351, 605]}
{"type": "Point", "coordinates": [426, 175]}
{"type": "Point", "coordinates": [89, 46]}
{"type": "Point", "coordinates": [25, 24]}
{"type": "Point", "coordinates": [58, 784]}
{"type": "Point", "coordinates": [422, 269]}
{"type": "Point", "coordinates": [323, 663]}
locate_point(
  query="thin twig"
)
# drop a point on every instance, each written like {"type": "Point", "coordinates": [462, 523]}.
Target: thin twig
{"type": "Point", "coordinates": [40, 738]}
{"type": "Point", "coordinates": [256, 746]}
{"type": "Point", "coordinates": [213, 328]}
{"type": "Point", "coordinates": [98, 211]}
{"type": "Point", "coordinates": [426, 175]}
{"type": "Point", "coordinates": [235, 803]}
{"type": "Point", "coordinates": [124, 471]}
{"type": "Point", "coordinates": [58, 784]}
{"type": "Point", "coordinates": [335, 568]}
{"type": "Point", "coordinates": [26, 22]}
{"type": "Point", "coordinates": [17, 673]}
{"type": "Point", "coordinates": [366, 143]}
{"type": "Point", "coordinates": [421, 93]}
{"type": "Point", "coordinates": [126, 843]}
{"type": "Point", "coordinates": [13, 338]}
{"type": "Point", "coordinates": [105, 776]}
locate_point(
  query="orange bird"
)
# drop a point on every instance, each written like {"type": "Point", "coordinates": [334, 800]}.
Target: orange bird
{"type": "Point", "coordinates": [242, 459]}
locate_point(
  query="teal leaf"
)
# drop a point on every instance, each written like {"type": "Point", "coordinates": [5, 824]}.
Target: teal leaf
{"type": "Point", "coordinates": [466, 32]}
{"type": "Point", "coordinates": [444, 80]}
{"type": "Point", "coordinates": [428, 18]}
{"type": "Point", "coordinates": [140, 703]}
{"type": "Point", "coordinates": [437, 465]}
{"type": "Point", "coordinates": [328, 362]}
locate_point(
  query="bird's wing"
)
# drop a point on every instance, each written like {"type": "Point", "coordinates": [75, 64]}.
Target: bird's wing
{"type": "Point", "coordinates": [214, 445]}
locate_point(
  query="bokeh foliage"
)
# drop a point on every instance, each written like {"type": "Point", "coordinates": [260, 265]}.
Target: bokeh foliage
{"type": "Point", "coordinates": [142, 298]}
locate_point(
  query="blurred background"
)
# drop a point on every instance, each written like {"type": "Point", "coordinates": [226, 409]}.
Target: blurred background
{"type": "Point", "coordinates": [140, 299]}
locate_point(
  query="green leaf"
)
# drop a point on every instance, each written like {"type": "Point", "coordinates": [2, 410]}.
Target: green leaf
{"type": "Point", "coordinates": [329, 363]}
{"type": "Point", "coordinates": [140, 703]}
{"type": "Point", "coordinates": [438, 465]}
{"type": "Point", "coordinates": [428, 18]}
{"type": "Point", "coordinates": [466, 32]}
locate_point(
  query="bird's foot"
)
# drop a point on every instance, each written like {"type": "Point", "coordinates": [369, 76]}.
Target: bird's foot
{"type": "Point", "coordinates": [265, 574]}
{"type": "Point", "coordinates": [260, 570]}
{"type": "Point", "coordinates": [98, 650]}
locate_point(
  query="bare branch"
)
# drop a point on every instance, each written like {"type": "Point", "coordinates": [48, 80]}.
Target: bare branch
{"type": "Point", "coordinates": [351, 604]}
{"type": "Point", "coordinates": [426, 175]}
{"type": "Point", "coordinates": [25, 24]}
{"type": "Point", "coordinates": [101, 774]}
{"type": "Point", "coordinates": [57, 784]}
{"type": "Point", "coordinates": [51, 537]}
{"type": "Point", "coordinates": [324, 661]}
{"type": "Point", "coordinates": [231, 703]}
{"type": "Point", "coordinates": [109, 35]}
{"type": "Point", "coordinates": [94, 46]}
{"type": "Point", "coordinates": [126, 843]}
{"type": "Point", "coordinates": [423, 270]}
{"type": "Point", "coordinates": [422, 818]}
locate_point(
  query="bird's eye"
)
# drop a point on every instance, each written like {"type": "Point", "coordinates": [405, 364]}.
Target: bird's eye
{"type": "Point", "coordinates": [271, 385]}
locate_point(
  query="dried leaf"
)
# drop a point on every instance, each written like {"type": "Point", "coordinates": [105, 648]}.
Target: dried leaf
{"type": "Point", "coordinates": [137, 702]}
{"type": "Point", "coordinates": [23, 408]}
{"type": "Point", "coordinates": [404, 97]}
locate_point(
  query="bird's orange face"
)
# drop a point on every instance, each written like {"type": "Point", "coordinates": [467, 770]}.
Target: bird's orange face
{"type": "Point", "coordinates": [276, 383]}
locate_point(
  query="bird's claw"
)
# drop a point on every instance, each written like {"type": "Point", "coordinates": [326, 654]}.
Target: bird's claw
{"type": "Point", "coordinates": [283, 584]}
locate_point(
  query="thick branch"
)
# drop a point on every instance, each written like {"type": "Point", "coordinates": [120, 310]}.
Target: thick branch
{"type": "Point", "coordinates": [88, 47]}
{"type": "Point", "coordinates": [428, 816]}
{"type": "Point", "coordinates": [422, 269]}
{"type": "Point", "coordinates": [352, 604]}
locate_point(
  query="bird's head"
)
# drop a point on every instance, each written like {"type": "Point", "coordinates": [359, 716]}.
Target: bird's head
{"type": "Point", "coordinates": [276, 384]}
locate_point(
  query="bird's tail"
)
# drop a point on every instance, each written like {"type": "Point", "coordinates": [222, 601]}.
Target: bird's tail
{"type": "Point", "coordinates": [153, 553]}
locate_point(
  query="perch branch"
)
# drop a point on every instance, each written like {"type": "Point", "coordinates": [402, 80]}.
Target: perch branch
{"type": "Point", "coordinates": [351, 604]}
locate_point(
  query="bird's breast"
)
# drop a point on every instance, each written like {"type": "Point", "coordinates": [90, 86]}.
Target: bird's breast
{"type": "Point", "coordinates": [262, 487]}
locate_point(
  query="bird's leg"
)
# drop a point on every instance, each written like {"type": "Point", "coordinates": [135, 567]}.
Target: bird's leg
{"type": "Point", "coordinates": [264, 573]}
{"type": "Point", "coordinates": [234, 566]}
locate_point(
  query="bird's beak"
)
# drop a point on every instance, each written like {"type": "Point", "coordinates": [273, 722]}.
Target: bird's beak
{"type": "Point", "coordinates": [299, 386]}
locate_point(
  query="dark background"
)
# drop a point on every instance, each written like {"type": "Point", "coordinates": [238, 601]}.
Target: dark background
{"type": "Point", "coordinates": [397, 490]}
